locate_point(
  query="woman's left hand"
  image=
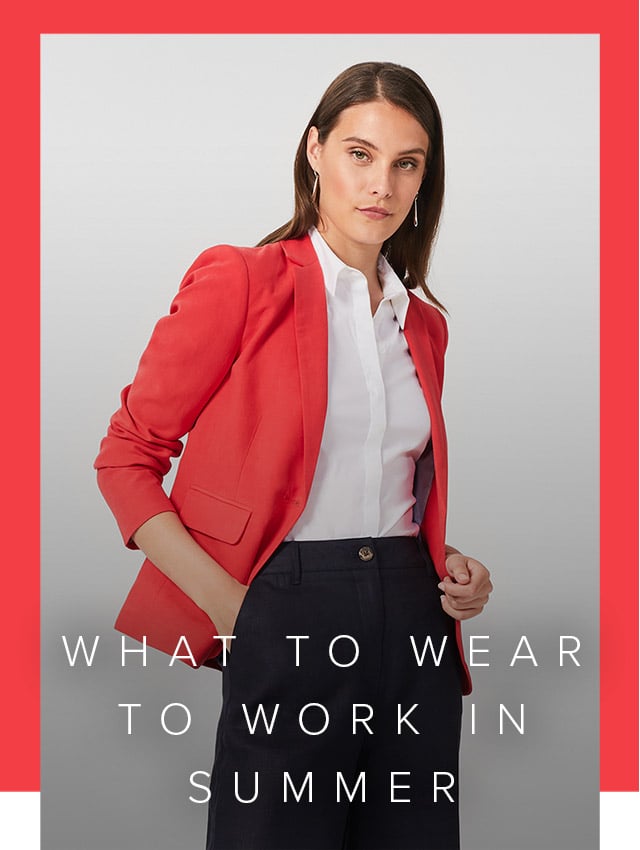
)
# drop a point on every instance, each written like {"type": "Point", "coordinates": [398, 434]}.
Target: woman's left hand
{"type": "Point", "coordinates": [467, 587]}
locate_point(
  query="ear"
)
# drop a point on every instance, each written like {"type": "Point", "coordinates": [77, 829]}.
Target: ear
{"type": "Point", "coordinates": [314, 148]}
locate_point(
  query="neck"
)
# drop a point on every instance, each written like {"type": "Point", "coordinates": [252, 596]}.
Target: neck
{"type": "Point", "coordinates": [358, 256]}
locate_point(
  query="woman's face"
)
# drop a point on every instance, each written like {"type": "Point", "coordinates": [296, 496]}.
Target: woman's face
{"type": "Point", "coordinates": [370, 168]}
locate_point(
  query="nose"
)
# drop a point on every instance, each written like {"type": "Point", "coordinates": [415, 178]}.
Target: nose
{"type": "Point", "coordinates": [381, 182]}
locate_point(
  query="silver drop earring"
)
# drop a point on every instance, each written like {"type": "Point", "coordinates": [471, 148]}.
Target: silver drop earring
{"type": "Point", "coordinates": [415, 211]}
{"type": "Point", "coordinates": [315, 186]}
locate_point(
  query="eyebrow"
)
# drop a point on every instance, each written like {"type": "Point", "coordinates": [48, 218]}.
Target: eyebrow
{"type": "Point", "coordinates": [373, 147]}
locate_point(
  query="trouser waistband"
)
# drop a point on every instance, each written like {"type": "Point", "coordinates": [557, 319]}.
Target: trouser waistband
{"type": "Point", "coordinates": [300, 556]}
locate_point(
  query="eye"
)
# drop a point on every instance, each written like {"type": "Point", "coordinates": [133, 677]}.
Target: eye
{"type": "Point", "coordinates": [359, 155]}
{"type": "Point", "coordinates": [407, 164]}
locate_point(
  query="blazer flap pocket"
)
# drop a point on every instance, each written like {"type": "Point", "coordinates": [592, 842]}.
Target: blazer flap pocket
{"type": "Point", "coordinates": [212, 515]}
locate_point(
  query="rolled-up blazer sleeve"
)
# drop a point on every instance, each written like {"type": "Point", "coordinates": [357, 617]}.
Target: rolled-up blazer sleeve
{"type": "Point", "coordinates": [190, 352]}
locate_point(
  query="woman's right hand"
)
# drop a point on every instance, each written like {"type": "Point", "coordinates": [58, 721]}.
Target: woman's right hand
{"type": "Point", "coordinates": [167, 543]}
{"type": "Point", "coordinates": [225, 612]}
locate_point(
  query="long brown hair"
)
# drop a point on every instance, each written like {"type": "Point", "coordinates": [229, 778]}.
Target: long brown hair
{"type": "Point", "coordinates": [409, 249]}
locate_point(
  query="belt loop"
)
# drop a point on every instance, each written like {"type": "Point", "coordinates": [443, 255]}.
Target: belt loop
{"type": "Point", "coordinates": [296, 565]}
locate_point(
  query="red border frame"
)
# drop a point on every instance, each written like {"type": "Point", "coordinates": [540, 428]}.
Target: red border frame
{"type": "Point", "coordinates": [617, 25]}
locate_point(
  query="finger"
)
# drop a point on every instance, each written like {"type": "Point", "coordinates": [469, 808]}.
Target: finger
{"type": "Point", "coordinates": [464, 604]}
{"type": "Point", "coordinates": [477, 570]}
{"type": "Point", "coordinates": [478, 579]}
{"type": "Point", "coordinates": [463, 591]}
{"type": "Point", "coordinates": [457, 614]}
{"type": "Point", "coordinates": [457, 568]}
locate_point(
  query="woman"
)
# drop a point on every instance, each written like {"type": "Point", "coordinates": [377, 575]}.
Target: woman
{"type": "Point", "coordinates": [302, 549]}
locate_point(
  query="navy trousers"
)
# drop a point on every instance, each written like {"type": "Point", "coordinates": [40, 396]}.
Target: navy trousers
{"type": "Point", "coordinates": [340, 720]}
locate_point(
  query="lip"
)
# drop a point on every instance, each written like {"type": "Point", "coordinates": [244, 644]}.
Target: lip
{"type": "Point", "coordinates": [374, 213]}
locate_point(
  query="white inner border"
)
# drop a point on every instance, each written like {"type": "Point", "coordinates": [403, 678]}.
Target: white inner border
{"type": "Point", "coordinates": [20, 820]}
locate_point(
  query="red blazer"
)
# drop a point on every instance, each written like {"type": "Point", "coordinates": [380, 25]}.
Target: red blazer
{"type": "Point", "coordinates": [240, 365]}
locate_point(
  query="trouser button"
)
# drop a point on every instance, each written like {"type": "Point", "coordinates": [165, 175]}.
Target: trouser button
{"type": "Point", "coordinates": [365, 553]}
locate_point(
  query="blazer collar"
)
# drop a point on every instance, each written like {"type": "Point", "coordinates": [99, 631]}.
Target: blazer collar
{"type": "Point", "coordinates": [300, 251]}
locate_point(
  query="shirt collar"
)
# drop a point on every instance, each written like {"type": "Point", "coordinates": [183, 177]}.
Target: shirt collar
{"type": "Point", "coordinates": [393, 289]}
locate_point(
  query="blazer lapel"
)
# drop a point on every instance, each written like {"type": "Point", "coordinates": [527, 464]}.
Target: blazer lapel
{"type": "Point", "coordinates": [310, 310]}
{"type": "Point", "coordinates": [418, 339]}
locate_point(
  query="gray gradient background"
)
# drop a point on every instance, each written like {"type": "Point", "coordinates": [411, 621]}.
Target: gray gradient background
{"type": "Point", "coordinates": [155, 147]}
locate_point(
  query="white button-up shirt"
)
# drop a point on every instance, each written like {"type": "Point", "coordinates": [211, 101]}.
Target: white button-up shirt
{"type": "Point", "coordinates": [377, 423]}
